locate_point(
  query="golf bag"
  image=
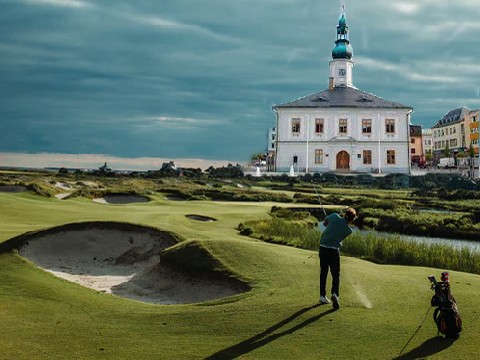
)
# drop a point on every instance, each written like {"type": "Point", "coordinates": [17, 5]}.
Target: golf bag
{"type": "Point", "coordinates": [446, 314]}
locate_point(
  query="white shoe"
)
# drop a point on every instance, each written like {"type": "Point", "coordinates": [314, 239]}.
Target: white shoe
{"type": "Point", "coordinates": [336, 301]}
{"type": "Point", "coordinates": [324, 300]}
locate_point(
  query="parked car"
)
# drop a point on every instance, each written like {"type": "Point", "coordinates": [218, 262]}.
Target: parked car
{"type": "Point", "coordinates": [446, 163]}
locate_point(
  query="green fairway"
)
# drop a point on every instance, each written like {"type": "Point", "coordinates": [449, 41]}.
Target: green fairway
{"type": "Point", "coordinates": [382, 306]}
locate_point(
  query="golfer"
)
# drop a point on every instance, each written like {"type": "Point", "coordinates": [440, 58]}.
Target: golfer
{"type": "Point", "coordinates": [336, 230]}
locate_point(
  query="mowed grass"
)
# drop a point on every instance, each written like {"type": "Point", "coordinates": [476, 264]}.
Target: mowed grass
{"type": "Point", "coordinates": [44, 317]}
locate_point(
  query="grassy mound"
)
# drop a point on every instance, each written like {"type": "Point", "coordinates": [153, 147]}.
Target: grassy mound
{"type": "Point", "coordinates": [194, 259]}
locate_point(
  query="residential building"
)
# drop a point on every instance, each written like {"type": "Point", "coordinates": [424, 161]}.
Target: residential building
{"type": "Point", "coordinates": [427, 142]}
{"type": "Point", "coordinates": [343, 129]}
{"type": "Point", "coordinates": [272, 139]}
{"type": "Point", "coordinates": [473, 129]}
{"type": "Point", "coordinates": [416, 145]}
{"type": "Point", "coordinates": [271, 150]}
{"type": "Point", "coordinates": [450, 134]}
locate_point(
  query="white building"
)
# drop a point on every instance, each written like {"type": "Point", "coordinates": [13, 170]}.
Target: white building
{"type": "Point", "coordinates": [427, 141]}
{"type": "Point", "coordinates": [342, 129]}
{"type": "Point", "coordinates": [272, 140]}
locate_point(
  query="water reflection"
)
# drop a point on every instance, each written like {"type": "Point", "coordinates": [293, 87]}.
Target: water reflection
{"type": "Point", "coordinates": [455, 243]}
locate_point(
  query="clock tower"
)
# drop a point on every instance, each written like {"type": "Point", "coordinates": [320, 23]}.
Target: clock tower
{"type": "Point", "coordinates": [342, 65]}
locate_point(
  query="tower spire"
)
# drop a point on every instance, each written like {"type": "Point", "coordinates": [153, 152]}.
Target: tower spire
{"type": "Point", "coordinates": [342, 64]}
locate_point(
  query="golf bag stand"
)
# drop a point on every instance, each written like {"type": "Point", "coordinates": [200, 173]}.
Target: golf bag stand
{"type": "Point", "coordinates": [446, 315]}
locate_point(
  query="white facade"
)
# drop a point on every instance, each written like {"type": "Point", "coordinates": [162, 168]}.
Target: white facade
{"type": "Point", "coordinates": [427, 141]}
{"type": "Point", "coordinates": [341, 71]}
{"type": "Point", "coordinates": [352, 151]}
{"type": "Point", "coordinates": [272, 139]}
{"type": "Point", "coordinates": [343, 129]}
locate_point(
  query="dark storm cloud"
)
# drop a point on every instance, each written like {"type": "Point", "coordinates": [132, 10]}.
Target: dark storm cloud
{"type": "Point", "coordinates": [195, 78]}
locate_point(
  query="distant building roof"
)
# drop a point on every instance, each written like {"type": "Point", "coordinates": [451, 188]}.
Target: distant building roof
{"type": "Point", "coordinates": [170, 165]}
{"type": "Point", "coordinates": [341, 96]}
{"type": "Point", "coordinates": [452, 117]}
{"type": "Point", "coordinates": [104, 168]}
{"type": "Point", "coordinates": [415, 130]}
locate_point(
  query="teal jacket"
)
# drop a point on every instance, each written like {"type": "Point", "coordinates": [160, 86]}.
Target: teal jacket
{"type": "Point", "coordinates": [336, 231]}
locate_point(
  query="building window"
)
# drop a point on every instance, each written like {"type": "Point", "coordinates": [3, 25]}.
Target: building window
{"type": "Point", "coordinates": [342, 126]}
{"type": "Point", "coordinates": [390, 126]}
{"type": "Point", "coordinates": [296, 126]}
{"type": "Point", "coordinates": [318, 126]}
{"type": "Point", "coordinates": [391, 157]}
{"type": "Point", "coordinates": [318, 156]}
{"type": "Point", "coordinates": [412, 151]}
{"type": "Point", "coordinates": [367, 157]}
{"type": "Point", "coordinates": [412, 141]}
{"type": "Point", "coordinates": [366, 126]}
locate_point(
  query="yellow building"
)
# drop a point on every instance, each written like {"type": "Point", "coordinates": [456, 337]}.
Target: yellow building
{"type": "Point", "coordinates": [473, 125]}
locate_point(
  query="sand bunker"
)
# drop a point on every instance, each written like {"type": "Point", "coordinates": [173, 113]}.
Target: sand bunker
{"type": "Point", "coordinates": [63, 185]}
{"type": "Point", "coordinates": [121, 199]}
{"type": "Point", "coordinates": [62, 196]}
{"type": "Point", "coordinates": [200, 218]}
{"type": "Point", "coordinates": [121, 259]}
{"type": "Point", "coordinates": [12, 188]}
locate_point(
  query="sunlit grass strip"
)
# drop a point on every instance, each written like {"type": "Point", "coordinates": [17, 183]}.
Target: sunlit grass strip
{"type": "Point", "coordinates": [379, 249]}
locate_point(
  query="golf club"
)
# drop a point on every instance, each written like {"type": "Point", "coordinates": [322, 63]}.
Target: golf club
{"type": "Point", "coordinates": [318, 197]}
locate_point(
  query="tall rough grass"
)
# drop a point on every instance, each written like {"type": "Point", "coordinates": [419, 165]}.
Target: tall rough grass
{"type": "Point", "coordinates": [279, 231]}
{"type": "Point", "coordinates": [375, 248]}
{"type": "Point", "coordinates": [394, 250]}
{"type": "Point", "coordinates": [404, 221]}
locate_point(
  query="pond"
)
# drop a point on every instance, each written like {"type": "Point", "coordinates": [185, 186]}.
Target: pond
{"type": "Point", "coordinates": [435, 211]}
{"type": "Point", "coordinates": [455, 243]}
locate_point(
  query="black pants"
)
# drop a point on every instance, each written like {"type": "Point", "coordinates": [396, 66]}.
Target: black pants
{"type": "Point", "coordinates": [329, 259]}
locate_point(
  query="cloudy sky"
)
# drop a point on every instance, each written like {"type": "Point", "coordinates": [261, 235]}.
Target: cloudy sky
{"type": "Point", "coordinates": [198, 78]}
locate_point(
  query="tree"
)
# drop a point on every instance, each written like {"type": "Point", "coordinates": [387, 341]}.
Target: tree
{"type": "Point", "coordinates": [257, 157]}
{"type": "Point", "coordinates": [428, 156]}
{"type": "Point", "coordinates": [446, 150]}
{"type": "Point", "coordinates": [471, 151]}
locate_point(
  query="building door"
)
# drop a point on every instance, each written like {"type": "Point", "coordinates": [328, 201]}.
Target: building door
{"type": "Point", "coordinates": [343, 161]}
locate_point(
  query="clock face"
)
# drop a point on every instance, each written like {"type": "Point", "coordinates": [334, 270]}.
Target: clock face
{"type": "Point", "coordinates": [341, 72]}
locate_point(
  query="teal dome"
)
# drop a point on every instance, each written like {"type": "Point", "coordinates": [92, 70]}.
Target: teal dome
{"type": "Point", "coordinates": [342, 50]}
